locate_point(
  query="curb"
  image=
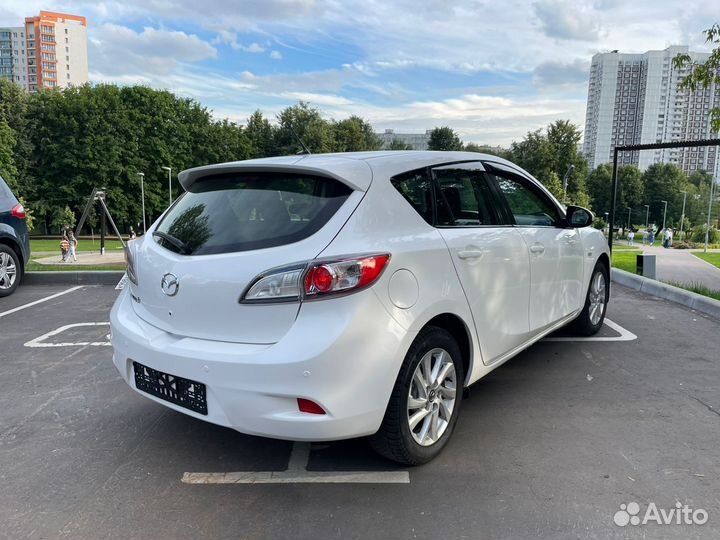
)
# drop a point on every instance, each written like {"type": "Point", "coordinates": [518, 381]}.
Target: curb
{"type": "Point", "coordinates": [695, 301]}
{"type": "Point", "coordinates": [100, 277]}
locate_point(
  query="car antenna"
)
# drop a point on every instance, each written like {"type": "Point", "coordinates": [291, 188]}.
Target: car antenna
{"type": "Point", "coordinates": [304, 148]}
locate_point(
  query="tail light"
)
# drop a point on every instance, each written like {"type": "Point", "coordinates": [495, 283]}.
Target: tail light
{"type": "Point", "coordinates": [130, 260]}
{"type": "Point", "coordinates": [18, 211]}
{"type": "Point", "coordinates": [317, 279]}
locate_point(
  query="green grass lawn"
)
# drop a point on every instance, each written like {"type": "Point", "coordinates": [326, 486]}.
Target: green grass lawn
{"type": "Point", "coordinates": [70, 267]}
{"type": "Point", "coordinates": [698, 288]}
{"type": "Point", "coordinates": [84, 245]}
{"type": "Point", "coordinates": [712, 258]}
{"type": "Point", "coordinates": [625, 259]}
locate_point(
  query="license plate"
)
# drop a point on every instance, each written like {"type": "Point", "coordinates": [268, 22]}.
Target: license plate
{"type": "Point", "coordinates": [184, 392]}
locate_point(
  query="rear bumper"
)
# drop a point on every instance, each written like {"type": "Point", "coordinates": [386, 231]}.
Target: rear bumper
{"type": "Point", "coordinates": [343, 354]}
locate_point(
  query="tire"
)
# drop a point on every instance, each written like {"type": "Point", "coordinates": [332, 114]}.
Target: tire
{"type": "Point", "coordinates": [10, 270]}
{"type": "Point", "coordinates": [588, 322]}
{"type": "Point", "coordinates": [396, 440]}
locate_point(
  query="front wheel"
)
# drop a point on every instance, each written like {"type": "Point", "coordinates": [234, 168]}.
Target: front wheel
{"type": "Point", "coordinates": [425, 402]}
{"type": "Point", "coordinates": [592, 316]}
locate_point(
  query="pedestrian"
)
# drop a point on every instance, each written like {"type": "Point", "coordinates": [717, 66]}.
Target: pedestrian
{"type": "Point", "coordinates": [651, 234]}
{"type": "Point", "coordinates": [72, 245]}
{"type": "Point", "coordinates": [669, 238]}
{"type": "Point", "coordinates": [133, 236]}
{"type": "Point", "coordinates": [64, 248]}
{"type": "Point", "coordinates": [631, 237]}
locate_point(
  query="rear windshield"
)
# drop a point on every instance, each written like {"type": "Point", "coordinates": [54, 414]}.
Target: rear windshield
{"type": "Point", "coordinates": [240, 212]}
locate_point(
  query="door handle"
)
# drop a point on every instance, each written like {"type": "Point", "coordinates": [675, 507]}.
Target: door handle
{"type": "Point", "coordinates": [470, 253]}
{"type": "Point", "coordinates": [537, 248]}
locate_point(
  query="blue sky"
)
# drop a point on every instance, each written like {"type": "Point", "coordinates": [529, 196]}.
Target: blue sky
{"type": "Point", "coordinates": [491, 70]}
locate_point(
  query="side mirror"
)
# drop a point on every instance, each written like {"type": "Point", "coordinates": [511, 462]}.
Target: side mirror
{"type": "Point", "coordinates": [578, 217]}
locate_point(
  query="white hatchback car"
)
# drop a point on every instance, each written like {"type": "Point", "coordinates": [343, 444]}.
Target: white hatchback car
{"type": "Point", "coordinates": [325, 297]}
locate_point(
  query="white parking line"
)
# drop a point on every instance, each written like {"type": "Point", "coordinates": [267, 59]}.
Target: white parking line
{"type": "Point", "coordinates": [36, 302]}
{"type": "Point", "coordinates": [39, 341]}
{"type": "Point", "coordinates": [297, 473]}
{"type": "Point", "coordinates": [625, 335]}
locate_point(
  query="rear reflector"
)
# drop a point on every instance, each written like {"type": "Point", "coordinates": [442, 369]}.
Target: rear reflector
{"type": "Point", "coordinates": [18, 211]}
{"type": "Point", "coordinates": [310, 407]}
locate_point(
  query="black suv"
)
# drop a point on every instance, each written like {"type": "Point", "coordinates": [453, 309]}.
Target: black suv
{"type": "Point", "coordinates": [14, 241]}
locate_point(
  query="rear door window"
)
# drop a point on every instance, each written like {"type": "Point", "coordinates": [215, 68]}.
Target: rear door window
{"type": "Point", "coordinates": [463, 199]}
{"type": "Point", "coordinates": [241, 212]}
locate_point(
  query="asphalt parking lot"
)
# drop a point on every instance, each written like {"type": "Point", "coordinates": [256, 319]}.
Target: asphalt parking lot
{"type": "Point", "coordinates": [548, 445]}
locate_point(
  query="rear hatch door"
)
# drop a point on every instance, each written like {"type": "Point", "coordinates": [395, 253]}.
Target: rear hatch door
{"type": "Point", "coordinates": [231, 227]}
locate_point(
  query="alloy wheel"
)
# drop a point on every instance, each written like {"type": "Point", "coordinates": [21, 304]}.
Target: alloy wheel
{"type": "Point", "coordinates": [8, 271]}
{"type": "Point", "coordinates": [597, 298]}
{"type": "Point", "coordinates": [431, 399]}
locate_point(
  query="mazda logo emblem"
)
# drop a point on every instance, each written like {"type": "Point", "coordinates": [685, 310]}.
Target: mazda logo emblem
{"type": "Point", "coordinates": [170, 284]}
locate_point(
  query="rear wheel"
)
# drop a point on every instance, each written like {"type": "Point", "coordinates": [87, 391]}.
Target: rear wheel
{"type": "Point", "coordinates": [425, 402]}
{"type": "Point", "coordinates": [592, 316]}
{"type": "Point", "coordinates": [9, 270]}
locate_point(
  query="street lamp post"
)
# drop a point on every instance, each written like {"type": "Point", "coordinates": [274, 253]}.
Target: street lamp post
{"type": "Point", "coordinates": [629, 211]}
{"type": "Point", "coordinates": [664, 213]}
{"type": "Point", "coordinates": [707, 225]}
{"type": "Point", "coordinates": [571, 168]}
{"type": "Point", "coordinates": [169, 171]}
{"type": "Point", "coordinates": [682, 219]}
{"type": "Point", "coordinates": [142, 194]}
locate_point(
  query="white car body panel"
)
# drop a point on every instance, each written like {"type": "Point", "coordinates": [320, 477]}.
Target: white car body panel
{"type": "Point", "coordinates": [344, 353]}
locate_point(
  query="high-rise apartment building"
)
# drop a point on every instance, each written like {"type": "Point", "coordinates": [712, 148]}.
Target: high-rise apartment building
{"type": "Point", "coordinates": [56, 46]}
{"type": "Point", "coordinates": [13, 56]}
{"type": "Point", "coordinates": [636, 99]}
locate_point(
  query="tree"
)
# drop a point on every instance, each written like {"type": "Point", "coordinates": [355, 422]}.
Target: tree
{"type": "Point", "coordinates": [13, 107]}
{"type": "Point", "coordinates": [703, 75]}
{"type": "Point", "coordinates": [62, 217]}
{"type": "Point", "coordinates": [399, 144]}
{"type": "Point", "coordinates": [303, 122]}
{"type": "Point", "coordinates": [484, 149]}
{"type": "Point", "coordinates": [664, 182]}
{"type": "Point", "coordinates": [354, 135]}
{"type": "Point", "coordinates": [444, 138]}
{"type": "Point", "coordinates": [699, 178]}
{"type": "Point", "coordinates": [553, 155]}
{"type": "Point", "coordinates": [7, 149]}
{"type": "Point", "coordinates": [261, 135]}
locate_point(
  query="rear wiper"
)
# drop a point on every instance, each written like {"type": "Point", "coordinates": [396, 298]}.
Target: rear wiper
{"type": "Point", "coordinates": [182, 246]}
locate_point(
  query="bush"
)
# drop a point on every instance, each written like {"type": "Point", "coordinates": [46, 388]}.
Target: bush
{"type": "Point", "coordinates": [684, 245]}
{"type": "Point", "coordinates": [698, 235]}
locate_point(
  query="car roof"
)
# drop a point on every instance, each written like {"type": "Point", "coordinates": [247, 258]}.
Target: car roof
{"type": "Point", "coordinates": [354, 168]}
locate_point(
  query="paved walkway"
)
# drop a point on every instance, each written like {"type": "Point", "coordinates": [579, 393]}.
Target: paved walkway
{"type": "Point", "coordinates": [89, 259]}
{"type": "Point", "coordinates": [680, 265]}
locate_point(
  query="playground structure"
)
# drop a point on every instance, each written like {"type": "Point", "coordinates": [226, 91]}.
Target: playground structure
{"type": "Point", "coordinates": [98, 196]}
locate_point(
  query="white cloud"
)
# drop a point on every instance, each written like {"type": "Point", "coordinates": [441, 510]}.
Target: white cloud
{"type": "Point", "coordinates": [119, 50]}
{"type": "Point", "coordinates": [567, 19]}
{"type": "Point", "coordinates": [511, 66]}
{"type": "Point", "coordinates": [316, 99]}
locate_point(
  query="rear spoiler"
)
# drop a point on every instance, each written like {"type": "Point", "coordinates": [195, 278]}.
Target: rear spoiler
{"type": "Point", "coordinates": [355, 173]}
